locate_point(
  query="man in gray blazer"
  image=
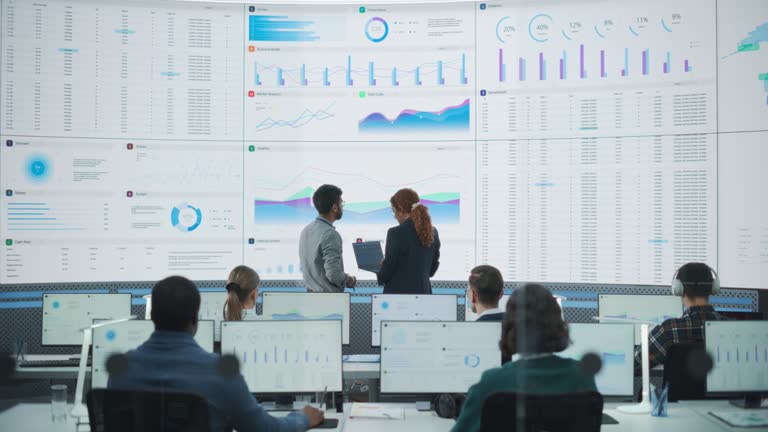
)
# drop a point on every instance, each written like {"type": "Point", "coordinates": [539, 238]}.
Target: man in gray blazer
{"type": "Point", "coordinates": [320, 247]}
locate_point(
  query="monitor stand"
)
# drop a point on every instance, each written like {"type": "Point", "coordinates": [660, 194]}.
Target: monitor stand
{"type": "Point", "coordinates": [281, 403]}
{"type": "Point", "coordinates": [750, 401]}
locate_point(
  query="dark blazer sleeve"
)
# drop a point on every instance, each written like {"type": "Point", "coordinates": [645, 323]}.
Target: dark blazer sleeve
{"type": "Point", "coordinates": [435, 256]}
{"type": "Point", "coordinates": [391, 254]}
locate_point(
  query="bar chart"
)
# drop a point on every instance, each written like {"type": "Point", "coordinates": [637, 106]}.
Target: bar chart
{"type": "Point", "coordinates": [740, 354]}
{"type": "Point", "coordinates": [286, 356]}
{"type": "Point", "coordinates": [545, 70]}
{"type": "Point", "coordinates": [444, 71]}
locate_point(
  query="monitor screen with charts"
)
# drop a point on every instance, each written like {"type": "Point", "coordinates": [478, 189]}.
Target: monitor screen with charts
{"type": "Point", "coordinates": [124, 336]}
{"type": "Point", "coordinates": [650, 308]}
{"type": "Point", "coordinates": [286, 356]}
{"type": "Point", "coordinates": [65, 315]}
{"type": "Point", "coordinates": [212, 308]}
{"type": "Point", "coordinates": [740, 353]}
{"type": "Point", "coordinates": [614, 344]}
{"type": "Point", "coordinates": [406, 307]}
{"type": "Point", "coordinates": [437, 357]}
{"type": "Point", "coordinates": [308, 306]}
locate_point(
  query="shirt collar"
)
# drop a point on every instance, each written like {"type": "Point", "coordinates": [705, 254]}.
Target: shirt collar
{"type": "Point", "coordinates": [320, 218]}
{"type": "Point", "coordinates": [490, 311]}
{"type": "Point", "coordinates": [699, 309]}
{"type": "Point", "coordinates": [175, 336]}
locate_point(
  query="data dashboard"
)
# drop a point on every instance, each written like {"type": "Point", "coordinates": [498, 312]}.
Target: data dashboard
{"type": "Point", "coordinates": [587, 142]}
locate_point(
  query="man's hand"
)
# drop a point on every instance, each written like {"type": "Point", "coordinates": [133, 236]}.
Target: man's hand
{"type": "Point", "coordinates": [314, 415]}
{"type": "Point", "coordinates": [351, 281]}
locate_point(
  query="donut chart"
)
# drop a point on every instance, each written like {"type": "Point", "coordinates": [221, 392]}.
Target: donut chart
{"type": "Point", "coordinates": [185, 217]}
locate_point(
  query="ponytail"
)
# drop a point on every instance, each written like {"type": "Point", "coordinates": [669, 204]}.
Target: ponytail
{"type": "Point", "coordinates": [233, 307]}
{"type": "Point", "coordinates": [407, 201]}
{"type": "Point", "coordinates": [423, 224]}
{"type": "Point", "coordinates": [241, 282]}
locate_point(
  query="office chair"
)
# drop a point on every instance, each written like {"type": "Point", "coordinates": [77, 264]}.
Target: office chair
{"type": "Point", "coordinates": [573, 412]}
{"type": "Point", "coordinates": [146, 411]}
{"type": "Point", "coordinates": [685, 372]}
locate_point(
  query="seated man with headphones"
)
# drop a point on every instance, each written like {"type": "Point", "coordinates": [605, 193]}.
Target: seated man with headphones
{"type": "Point", "coordinates": [694, 282]}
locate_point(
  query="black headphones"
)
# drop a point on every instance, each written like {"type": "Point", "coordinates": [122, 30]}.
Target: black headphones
{"type": "Point", "coordinates": [449, 405]}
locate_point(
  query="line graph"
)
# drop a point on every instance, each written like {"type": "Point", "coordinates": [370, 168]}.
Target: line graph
{"type": "Point", "coordinates": [449, 118]}
{"type": "Point", "coordinates": [305, 117]}
{"type": "Point", "coordinates": [310, 175]}
{"type": "Point", "coordinates": [444, 207]}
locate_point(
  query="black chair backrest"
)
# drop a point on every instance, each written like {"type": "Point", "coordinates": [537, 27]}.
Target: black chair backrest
{"type": "Point", "coordinates": [146, 411]}
{"type": "Point", "coordinates": [572, 412]}
{"type": "Point", "coordinates": [684, 372]}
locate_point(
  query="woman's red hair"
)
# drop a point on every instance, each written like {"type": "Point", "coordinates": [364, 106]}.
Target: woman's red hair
{"type": "Point", "coordinates": [403, 201]}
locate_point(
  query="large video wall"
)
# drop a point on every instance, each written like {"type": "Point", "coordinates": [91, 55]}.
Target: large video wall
{"type": "Point", "coordinates": [562, 141]}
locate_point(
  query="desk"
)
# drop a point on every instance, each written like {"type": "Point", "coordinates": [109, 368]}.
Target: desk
{"type": "Point", "coordinates": [350, 370]}
{"type": "Point", "coordinates": [684, 416]}
{"type": "Point", "coordinates": [36, 417]}
{"type": "Point", "coordinates": [61, 372]}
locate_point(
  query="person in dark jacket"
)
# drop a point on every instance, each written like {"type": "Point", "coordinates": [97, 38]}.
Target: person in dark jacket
{"type": "Point", "coordinates": [172, 360]}
{"type": "Point", "coordinates": [533, 327]}
{"type": "Point", "coordinates": [412, 252]}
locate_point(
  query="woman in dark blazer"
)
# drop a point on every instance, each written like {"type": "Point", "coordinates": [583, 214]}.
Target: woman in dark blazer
{"type": "Point", "coordinates": [412, 252]}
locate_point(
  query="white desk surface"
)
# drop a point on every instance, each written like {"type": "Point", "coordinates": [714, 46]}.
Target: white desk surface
{"type": "Point", "coordinates": [684, 416]}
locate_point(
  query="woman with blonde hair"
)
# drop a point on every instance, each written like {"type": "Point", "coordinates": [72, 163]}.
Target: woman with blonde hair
{"type": "Point", "coordinates": [412, 252]}
{"type": "Point", "coordinates": [242, 291]}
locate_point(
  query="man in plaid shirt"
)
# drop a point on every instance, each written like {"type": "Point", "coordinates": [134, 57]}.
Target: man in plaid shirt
{"type": "Point", "coordinates": [697, 280]}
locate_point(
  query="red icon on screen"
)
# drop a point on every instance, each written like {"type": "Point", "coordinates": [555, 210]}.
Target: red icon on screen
{"type": "Point", "coordinates": [251, 93]}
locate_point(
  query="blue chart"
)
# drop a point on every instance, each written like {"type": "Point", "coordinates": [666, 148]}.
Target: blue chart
{"type": "Point", "coordinates": [38, 168]}
{"type": "Point", "coordinates": [296, 316]}
{"type": "Point", "coordinates": [629, 317]}
{"type": "Point", "coordinates": [613, 358]}
{"type": "Point", "coordinates": [451, 70]}
{"type": "Point", "coordinates": [280, 28]}
{"type": "Point", "coordinates": [449, 118]}
{"type": "Point", "coordinates": [750, 45]}
{"type": "Point", "coordinates": [740, 352]}
{"type": "Point", "coordinates": [742, 355]}
{"type": "Point", "coordinates": [185, 217]}
{"type": "Point", "coordinates": [305, 117]}
{"type": "Point", "coordinates": [472, 360]}
{"type": "Point", "coordinates": [284, 356]}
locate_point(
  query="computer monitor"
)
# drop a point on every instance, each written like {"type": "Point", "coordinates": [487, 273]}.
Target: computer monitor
{"type": "Point", "coordinates": [436, 357]}
{"type": "Point", "coordinates": [212, 308]}
{"type": "Point", "coordinates": [471, 316]}
{"type": "Point", "coordinates": [732, 315]}
{"type": "Point", "coordinates": [308, 306]}
{"type": "Point", "coordinates": [286, 356]}
{"type": "Point", "coordinates": [739, 350]}
{"type": "Point", "coordinates": [124, 336]}
{"type": "Point", "coordinates": [407, 307]}
{"type": "Point", "coordinates": [651, 308]}
{"type": "Point", "coordinates": [614, 344]}
{"type": "Point", "coordinates": [205, 334]}
{"type": "Point", "coordinates": [65, 315]}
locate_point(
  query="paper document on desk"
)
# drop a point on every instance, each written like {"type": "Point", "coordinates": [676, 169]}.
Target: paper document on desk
{"type": "Point", "coordinates": [376, 411]}
{"type": "Point", "coordinates": [746, 419]}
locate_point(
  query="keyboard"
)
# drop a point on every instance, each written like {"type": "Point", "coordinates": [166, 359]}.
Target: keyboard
{"type": "Point", "coordinates": [50, 363]}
